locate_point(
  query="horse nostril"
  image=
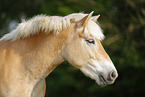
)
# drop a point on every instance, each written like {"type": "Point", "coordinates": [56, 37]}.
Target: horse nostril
{"type": "Point", "coordinates": [112, 76]}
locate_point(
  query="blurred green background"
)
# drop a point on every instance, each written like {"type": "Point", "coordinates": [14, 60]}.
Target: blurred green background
{"type": "Point", "coordinates": [123, 23]}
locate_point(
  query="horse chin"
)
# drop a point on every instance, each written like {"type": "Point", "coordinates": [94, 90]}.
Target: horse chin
{"type": "Point", "coordinates": [103, 81]}
{"type": "Point", "coordinates": [102, 84]}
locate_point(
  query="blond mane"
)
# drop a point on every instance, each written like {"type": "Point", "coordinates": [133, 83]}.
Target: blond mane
{"type": "Point", "coordinates": [46, 24]}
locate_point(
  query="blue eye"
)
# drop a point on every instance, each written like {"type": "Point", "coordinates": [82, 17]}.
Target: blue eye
{"type": "Point", "coordinates": [90, 41]}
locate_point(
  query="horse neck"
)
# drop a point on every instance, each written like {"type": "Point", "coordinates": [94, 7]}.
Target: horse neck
{"type": "Point", "coordinates": [45, 54]}
{"type": "Point", "coordinates": [38, 54]}
{"type": "Point", "coordinates": [52, 48]}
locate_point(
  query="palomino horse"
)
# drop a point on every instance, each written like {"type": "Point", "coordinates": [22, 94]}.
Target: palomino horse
{"type": "Point", "coordinates": [30, 53]}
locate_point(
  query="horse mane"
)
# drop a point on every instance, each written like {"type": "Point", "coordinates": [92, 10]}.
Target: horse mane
{"type": "Point", "coordinates": [47, 24]}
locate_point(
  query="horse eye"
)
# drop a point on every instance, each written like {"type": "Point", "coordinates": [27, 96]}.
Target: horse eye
{"type": "Point", "coordinates": [90, 41]}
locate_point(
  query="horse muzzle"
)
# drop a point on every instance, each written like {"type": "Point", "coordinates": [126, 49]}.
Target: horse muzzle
{"type": "Point", "coordinates": [106, 80]}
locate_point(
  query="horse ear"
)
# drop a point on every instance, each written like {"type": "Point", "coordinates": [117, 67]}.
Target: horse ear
{"type": "Point", "coordinates": [95, 18]}
{"type": "Point", "coordinates": [83, 22]}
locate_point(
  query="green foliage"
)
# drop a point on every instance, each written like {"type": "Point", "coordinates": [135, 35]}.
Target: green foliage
{"type": "Point", "coordinates": [123, 23]}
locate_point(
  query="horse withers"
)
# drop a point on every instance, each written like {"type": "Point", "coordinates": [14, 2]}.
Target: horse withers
{"type": "Point", "coordinates": [29, 53]}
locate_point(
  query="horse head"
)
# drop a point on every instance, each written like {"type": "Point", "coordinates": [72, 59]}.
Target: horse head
{"type": "Point", "coordinates": [85, 51]}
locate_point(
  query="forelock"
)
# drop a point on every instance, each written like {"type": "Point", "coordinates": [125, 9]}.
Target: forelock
{"type": "Point", "coordinates": [94, 30]}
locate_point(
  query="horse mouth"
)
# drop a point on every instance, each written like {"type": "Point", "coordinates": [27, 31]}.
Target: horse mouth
{"type": "Point", "coordinates": [102, 80]}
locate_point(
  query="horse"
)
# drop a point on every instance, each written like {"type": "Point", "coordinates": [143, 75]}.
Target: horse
{"type": "Point", "coordinates": [30, 52]}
